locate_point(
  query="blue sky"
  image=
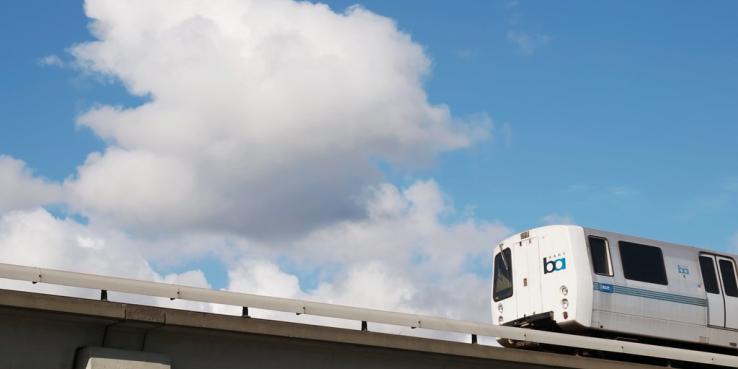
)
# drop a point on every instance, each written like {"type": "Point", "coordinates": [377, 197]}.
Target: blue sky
{"type": "Point", "coordinates": [623, 116]}
{"type": "Point", "coordinates": [625, 120]}
{"type": "Point", "coordinates": [615, 115]}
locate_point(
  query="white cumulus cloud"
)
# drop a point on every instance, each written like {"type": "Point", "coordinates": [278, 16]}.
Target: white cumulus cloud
{"type": "Point", "coordinates": [260, 140]}
{"type": "Point", "coordinates": [37, 238]}
{"type": "Point", "coordinates": [263, 117]}
{"type": "Point", "coordinates": [403, 257]}
{"type": "Point", "coordinates": [20, 189]}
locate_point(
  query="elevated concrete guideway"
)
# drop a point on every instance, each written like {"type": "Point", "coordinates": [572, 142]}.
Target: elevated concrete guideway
{"type": "Point", "coordinates": [50, 332]}
{"type": "Point", "coordinates": [364, 315]}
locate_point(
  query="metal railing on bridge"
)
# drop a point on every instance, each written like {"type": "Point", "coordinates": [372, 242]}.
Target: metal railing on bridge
{"type": "Point", "coordinates": [156, 289]}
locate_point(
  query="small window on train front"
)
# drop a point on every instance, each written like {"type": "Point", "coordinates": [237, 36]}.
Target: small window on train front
{"type": "Point", "coordinates": [503, 276]}
{"type": "Point", "coordinates": [727, 270]}
{"type": "Point", "coordinates": [643, 263]}
{"type": "Point", "coordinates": [600, 254]}
{"type": "Point", "coordinates": [709, 278]}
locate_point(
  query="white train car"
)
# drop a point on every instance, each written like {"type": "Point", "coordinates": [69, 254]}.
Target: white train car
{"type": "Point", "coordinates": [605, 284]}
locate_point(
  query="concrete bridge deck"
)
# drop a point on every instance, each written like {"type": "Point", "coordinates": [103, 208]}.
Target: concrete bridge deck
{"type": "Point", "coordinates": [50, 332]}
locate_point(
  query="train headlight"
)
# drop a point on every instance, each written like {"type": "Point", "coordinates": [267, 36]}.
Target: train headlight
{"type": "Point", "coordinates": [499, 320]}
{"type": "Point", "coordinates": [564, 303]}
{"type": "Point", "coordinates": [499, 308]}
{"type": "Point", "coordinates": [564, 290]}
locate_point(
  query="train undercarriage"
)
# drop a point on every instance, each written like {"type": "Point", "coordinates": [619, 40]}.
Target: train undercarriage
{"type": "Point", "coordinates": [545, 322]}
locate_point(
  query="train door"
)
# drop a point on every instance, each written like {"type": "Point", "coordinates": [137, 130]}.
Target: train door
{"type": "Point", "coordinates": [721, 285]}
{"type": "Point", "coordinates": [527, 267]}
{"type": "Point", "coordinates": [728, 277]}
{"type": "Point", "coordinates": [715, 299]}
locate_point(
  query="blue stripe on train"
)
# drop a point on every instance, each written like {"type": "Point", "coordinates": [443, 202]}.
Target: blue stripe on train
{"type": "Point", "coordinates": [655, 295]}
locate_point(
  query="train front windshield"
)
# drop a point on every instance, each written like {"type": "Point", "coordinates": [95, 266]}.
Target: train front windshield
{"type": "Point", "coordinates": [503, 282]}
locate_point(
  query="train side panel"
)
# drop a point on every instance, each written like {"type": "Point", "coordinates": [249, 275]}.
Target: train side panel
{"type": "Point", "coordinates": [676, 310]}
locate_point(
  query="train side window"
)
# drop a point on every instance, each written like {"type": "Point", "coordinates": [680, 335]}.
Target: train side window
{"type": "Point", "coordinates": [643, 263]}
{"type": "Point", "coordinates": [599, 251]}
{"type": "Point", "coordinates": [709, 278]}
{"type": "Point", "coordinates": [503, 276]}
{"type": "Point", "coordinates": [728, 272]}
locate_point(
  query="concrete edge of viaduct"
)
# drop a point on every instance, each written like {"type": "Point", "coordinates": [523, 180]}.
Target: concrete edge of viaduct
{"type": "Point", "coordinates": [123, 312]}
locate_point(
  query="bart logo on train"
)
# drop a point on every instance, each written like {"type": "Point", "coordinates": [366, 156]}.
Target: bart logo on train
{"type": "Point", "coordinates": [550, 266]}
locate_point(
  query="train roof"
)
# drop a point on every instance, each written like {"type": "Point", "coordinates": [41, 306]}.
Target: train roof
{"type": "Point", "coordinates": [639, 239]}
